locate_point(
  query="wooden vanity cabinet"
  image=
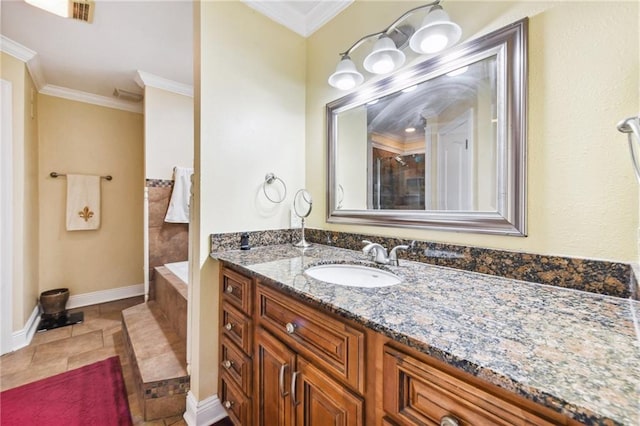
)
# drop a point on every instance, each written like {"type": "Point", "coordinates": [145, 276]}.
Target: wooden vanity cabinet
{"type": "Point", "coordinates": [419, 391]}
{"type": "Point", "coordinates": [284, 363]}
{"type": "Point", "coordinates": [292, 390]}
{"type": "Point", "coordinates": [235, 386]}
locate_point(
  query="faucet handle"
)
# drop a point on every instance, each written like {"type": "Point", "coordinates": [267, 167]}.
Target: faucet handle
{"type": "Point", "coordinates": [393, 256]}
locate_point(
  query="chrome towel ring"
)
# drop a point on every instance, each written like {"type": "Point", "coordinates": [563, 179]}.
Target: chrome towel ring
{"type": "Point", "coordinates": [631, 126]}
{"type": "Point", "coordinates": [269, 179]}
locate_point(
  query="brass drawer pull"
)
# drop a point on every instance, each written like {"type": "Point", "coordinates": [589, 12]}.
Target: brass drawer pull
{"type": "Point", "coordinates": [449, 421]}
{"type": "Point", "coordinates": [229, 289]}
{"type": "Point", "coordinates": [290, 327]}
{"type": "Point", "coordinates": [227, 404]}
{"type": "Point", "coordinates": [283, 392]}
{"type": "Point", "coordinates": [228, 326]}
{"type": "Point", "coordinates": [227, 364]}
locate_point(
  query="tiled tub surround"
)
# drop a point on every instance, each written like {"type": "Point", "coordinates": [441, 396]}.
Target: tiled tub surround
{"type": "Point", "coordinates": [168, 242]}
{"type": "Point", "coordinates": [575, 352]}
{"type": "Point", "coordinates": [602, 277]}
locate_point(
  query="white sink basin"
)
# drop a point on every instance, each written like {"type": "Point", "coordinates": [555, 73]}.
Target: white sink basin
{"type": "Point", "coordinates": [353, 275]}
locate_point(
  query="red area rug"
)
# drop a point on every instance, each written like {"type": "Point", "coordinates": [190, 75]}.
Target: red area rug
{"type": "Point", "coordinates": [91, 395]}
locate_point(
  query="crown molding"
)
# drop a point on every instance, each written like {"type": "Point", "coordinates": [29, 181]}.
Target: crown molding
{"type": "Point", "coordinates": [90, 98]}
{"type": "Point", "coordinates": [323, 13]}
{"type": "Point", "coordinates": [303, 24]}
{"type": "Point", "coordinates": [144, 79]}
{"type": "Point", "coordinates": [35, 70]}
{"type": "Point", "coordinates": [281, 14]}
{"type": "Point", "coordinates": [16, 50]}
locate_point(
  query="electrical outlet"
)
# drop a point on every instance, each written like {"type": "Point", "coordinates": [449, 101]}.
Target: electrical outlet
{"type": "Point", "coordinates": [296, 221]}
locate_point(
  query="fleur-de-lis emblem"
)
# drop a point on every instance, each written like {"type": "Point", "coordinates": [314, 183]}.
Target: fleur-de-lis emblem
{"type": "Point", "coordinates": [86, 214]}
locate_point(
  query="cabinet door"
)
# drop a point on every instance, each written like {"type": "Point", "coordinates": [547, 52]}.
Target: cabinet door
{"type": "Point", "coordinates": [274, 365]}
{"type": "Point", "coordinates": [321, 401]}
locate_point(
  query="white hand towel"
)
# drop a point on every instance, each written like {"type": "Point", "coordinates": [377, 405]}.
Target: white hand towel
{"type": "Point", "coordinates": [178, 211]}
{"type": "Point", "coordinates": [83, 202]}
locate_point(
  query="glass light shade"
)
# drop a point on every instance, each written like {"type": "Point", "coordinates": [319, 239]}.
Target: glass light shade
{"type": "Point", "coordinates": [384, 58]}
{"type": "Point", "coordinates": [346, 75]}
{"type": "Point", "coordinates": [436, 33]}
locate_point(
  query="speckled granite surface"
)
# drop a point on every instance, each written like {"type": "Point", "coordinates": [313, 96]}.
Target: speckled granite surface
{"type": "Point", "coordinates": [576, 352]}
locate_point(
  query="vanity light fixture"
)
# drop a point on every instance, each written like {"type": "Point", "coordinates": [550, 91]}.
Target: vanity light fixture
{"type": "Point", "coordinates": [436, 33]}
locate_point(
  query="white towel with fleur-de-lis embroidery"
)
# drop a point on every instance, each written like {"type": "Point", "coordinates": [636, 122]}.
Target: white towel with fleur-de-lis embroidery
{"type": "Point", "coordinates": [83, 202]}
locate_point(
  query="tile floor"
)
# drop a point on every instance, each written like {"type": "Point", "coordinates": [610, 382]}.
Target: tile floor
{"type": "Point", "coordinates": [55, 351]}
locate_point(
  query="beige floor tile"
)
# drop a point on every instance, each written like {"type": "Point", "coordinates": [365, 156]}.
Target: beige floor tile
{"type": "Point", "coordinates": [51, 335]}
{"type": "Point", "coordinates": [70, 346]}
{"type": "Point", "coordinates": [175, 421]}
{"type": "Point", "coordinates": [95, 324]}
{"type": "Point", "coordinates": [89, 357]}
{"type": "Point", "coordinates": [33, 373]}
{"type": "Point", "coordinates": [119, 305]}
{"type": "Point", "coordinates": [89, 312]}
{"type": "Point", "coordinates": [16, 361]}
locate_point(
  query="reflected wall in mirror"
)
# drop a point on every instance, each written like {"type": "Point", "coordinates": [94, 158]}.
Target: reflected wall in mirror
{"type": "Point", "coordinates": [440, 146]}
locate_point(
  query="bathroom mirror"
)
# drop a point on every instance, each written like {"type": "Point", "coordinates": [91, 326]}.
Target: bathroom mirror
{"type": "Point", "coordinates": [440, 145]}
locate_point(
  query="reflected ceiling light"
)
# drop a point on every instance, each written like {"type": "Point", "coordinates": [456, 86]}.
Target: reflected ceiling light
{"type": "Point", "coordinates": [410, 129]}
{"type": "Point", "coordinates": [459, 71]}
{"type": "Point", "coordinates": [436, 33]}
{"type": "Point", "coordinates": [373, 102]}
{"type": "Point", "coordinates": [410, 89]}
{"type": "Point", "coordinates": [384, 58]}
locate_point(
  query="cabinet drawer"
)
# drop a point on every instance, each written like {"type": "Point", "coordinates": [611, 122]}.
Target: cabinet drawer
{"type": "Point", "coordinates": [327, 342]}
{"type": "Point", "coordinates": [233, 400]}
{"type": "Point", "coordinates": [237, 327]}
{"type": "Point", "coordinates": [418, 393]}
{"type": "Point", "coordinates": [236, 289]}
{"type": "Point", "coordinates": [237, 365]}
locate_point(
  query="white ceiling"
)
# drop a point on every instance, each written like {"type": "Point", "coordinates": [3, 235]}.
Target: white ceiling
{"type": "Point", "coordinates": [152, 36]}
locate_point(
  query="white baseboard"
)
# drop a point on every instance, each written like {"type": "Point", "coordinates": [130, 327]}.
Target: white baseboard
{"type": "Point", "coordinates": [23, 337]}
{"type": "Point", "coordinates": [102, 296]}
{"type": "Point", "coordinates": [205, 412]}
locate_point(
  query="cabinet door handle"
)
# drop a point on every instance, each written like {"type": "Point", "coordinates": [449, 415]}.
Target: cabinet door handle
{"type": "Point", "coordinates": [229, 289]}
{"type": "Point", "coordinates": [227, 404]}
{"type": "Point", "coordinates": [283, 392]}
{"type": "Point", "coordinates": [294, 376]}
{"type": "Point", "coordinates": [290, 327]}
{"type": "Point", "coordinates": [449, 421]}
{"type": "Point", "coordinates": [227, 364]}
{"type": "Point", "coordinates": [228, 326]}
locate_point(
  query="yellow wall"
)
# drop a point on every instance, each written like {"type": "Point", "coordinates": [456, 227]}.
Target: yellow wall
{"type": "Point", "coordinates": [25, 191]}
{"type": "Point", "coordinates": [88, 139]}
{"type": "Point", "coordinates": [583, 78]}
{"type": "Point", "coordinates": [250, 120]}
{"type": "Point", "coordinates": [168, 132]}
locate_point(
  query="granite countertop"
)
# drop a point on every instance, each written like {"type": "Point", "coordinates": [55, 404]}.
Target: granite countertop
{"type": "Point", "coordinates": [573, 351]}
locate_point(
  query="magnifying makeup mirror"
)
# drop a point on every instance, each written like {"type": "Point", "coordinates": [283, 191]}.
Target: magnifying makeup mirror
{"type": "Point", "coordinates": [302, 203]}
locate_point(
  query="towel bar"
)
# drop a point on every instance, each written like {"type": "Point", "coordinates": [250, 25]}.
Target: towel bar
{"type": "Point", "coordinates": [55, 175]}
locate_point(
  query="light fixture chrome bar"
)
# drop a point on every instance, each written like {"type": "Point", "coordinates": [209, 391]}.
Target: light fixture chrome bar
{"type": "Point", "coordinates": [436, 33]}
{"type": "Point", "coordinates": [387, 30]}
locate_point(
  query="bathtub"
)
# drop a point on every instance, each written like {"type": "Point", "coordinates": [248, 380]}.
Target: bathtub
{"type": "Point", "coordinates": [179, 269]}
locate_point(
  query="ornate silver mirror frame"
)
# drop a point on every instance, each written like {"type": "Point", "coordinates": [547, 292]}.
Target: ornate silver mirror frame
{"type": "Point", "coordinates": [509, 48]}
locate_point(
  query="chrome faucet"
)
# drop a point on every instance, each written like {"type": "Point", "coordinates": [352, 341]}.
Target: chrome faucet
{"type": "Point", "coordinates": [375, 252]}
{"type": "Point", "coordinates": [378, 253]}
